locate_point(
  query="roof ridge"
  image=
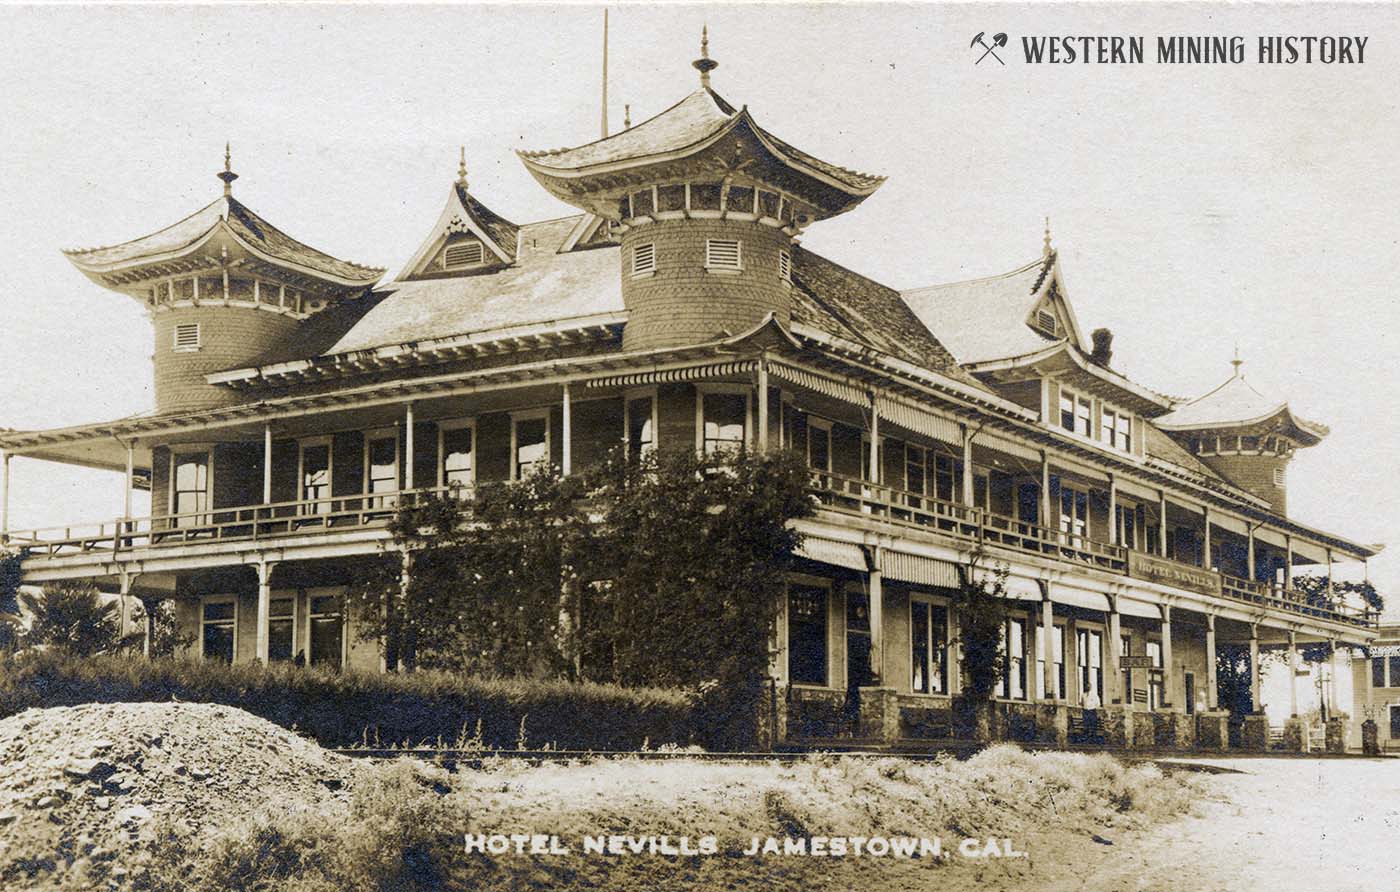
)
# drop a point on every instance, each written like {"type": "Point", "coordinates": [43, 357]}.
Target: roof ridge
{"type": "Point", "coordinates": [1006, 275]}
{"type": "Point", "coordinates": [709, 94]}
{"type": "Point", "coordinates": [72, 252]}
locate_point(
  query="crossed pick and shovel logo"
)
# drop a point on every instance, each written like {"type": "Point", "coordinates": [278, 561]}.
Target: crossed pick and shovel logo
{"type": "Point", "coordinates": [998, 41]}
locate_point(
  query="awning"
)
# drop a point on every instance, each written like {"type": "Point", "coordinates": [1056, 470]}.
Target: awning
{"type": "Point", "coordinates": [829, 551]}
{"type": "Point", "coordinates": [820, 383]}
{"type": "Point", "coordinates": [918, 569]}
{"type": "Point", "coordinates": [1076, 597]}
{"type": "Point", "coordinates": [660, 376]}
{"type": "Point", "coordinates": [1385, 650]}
{"type": "Point", "coordinates": [920, 421]}
{"type": "Point", "coordinates": [1018, 588]}
{"type": "Point", "coordinates": [1129, 607]}
{"type": "Point", "coordinates": [1003, 445]}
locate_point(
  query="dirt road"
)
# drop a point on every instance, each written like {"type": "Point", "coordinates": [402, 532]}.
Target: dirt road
{"type": "Point", "coordinates": [1289, 826]}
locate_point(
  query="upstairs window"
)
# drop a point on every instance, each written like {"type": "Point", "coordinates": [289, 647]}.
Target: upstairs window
{"type": "Point", "coordinates": [530, 444]}
{"type": "Point", "coordinates": [641, 426]}
{"type": "Point", "coordinates": [463, 254]}
{"type": "Point", "coordinates": [382, 468]}
{"type": "Point", "coordinates": [190, 494]}
{"type": "Point", "coordinates": [1076, 413]}
{"type": "Point", "coordinates": [785, 267]}
{"type": "Point", "coordinates": [457, 472]}
{"type": "Point", "coordinates": [316, 477]}
{"type": "Point", "coordinates": [724, 422]}
{"type": "Point", "coordinates": [819, 445]}
{"type": "Point", "coordinates": [723, 254]}
{"type": "Point", "coordinates": [644, 259]}
{"type": "Point", "coordinates": [186, 337]}
{"type": "Point", "coordinates": [1116, 432]}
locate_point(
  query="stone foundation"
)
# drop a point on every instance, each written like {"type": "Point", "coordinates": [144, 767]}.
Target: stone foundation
{"type": "Point", "coordinates": [879, 714]}
{"type": "Point", "coordinates": [1370, 738]}
{"type": "Point", "coordinates": [1295, 736]}
{"type": "Point", "coordinates": [1337, 733]}
{"type": "Point", "coordinates": [1254, 734]}
{"type": "Point", "coordinates": [1116, 726]}
{"type": "Point", "coordinates": [1173, 730]}
{"type": "Point", "coordinates": [1144, 730]}
{"type": "Point", "coordinates": [1213, 731]}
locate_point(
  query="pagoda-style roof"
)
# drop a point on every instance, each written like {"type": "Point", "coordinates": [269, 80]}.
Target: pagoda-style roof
{"type": "Point", "coordinates": [464, 214]}
{"type": "Point", "coordinates": [224, 224]}
{"type": "Point", "coordinates": [1236, 404]}
{"type": "Point", "coordinates": [701, 131]}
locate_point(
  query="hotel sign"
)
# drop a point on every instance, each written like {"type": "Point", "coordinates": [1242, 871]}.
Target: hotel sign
{"type": "Point", "coordinates": [1165, 572]}
{"type": "Point", "coordinates": [1138, 661]}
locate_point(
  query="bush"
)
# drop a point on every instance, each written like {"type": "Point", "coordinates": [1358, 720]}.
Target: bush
{"type": "Point", "coordinates": [350, 709]}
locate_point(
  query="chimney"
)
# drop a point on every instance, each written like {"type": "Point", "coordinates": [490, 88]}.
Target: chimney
{"type": "Point", "coordinates": [1103, 347]}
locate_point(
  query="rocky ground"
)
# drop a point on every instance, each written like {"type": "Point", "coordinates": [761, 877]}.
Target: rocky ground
{"type": "Point", "coordinates": [81, 787]}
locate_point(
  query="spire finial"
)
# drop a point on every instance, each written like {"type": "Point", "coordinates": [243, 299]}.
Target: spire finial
{"type": "Point", "coordinates": [626, 117]}
{"type": "Point", "coordinates": [227, 174]}
{"type": "Point", "coordinates": [462, 167]}
{"type": "Point", "coordinates": [705, 64]}
{"type": "Point", "coordinates": [1237, 362]}
{"type": "Point", "coordinates": [1046, 250]}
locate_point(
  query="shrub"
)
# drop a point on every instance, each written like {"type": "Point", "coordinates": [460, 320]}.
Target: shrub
{"type": "Point", "coordinates": [360, 708]}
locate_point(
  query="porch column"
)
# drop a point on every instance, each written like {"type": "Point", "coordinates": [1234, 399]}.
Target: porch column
{"type": "Point", "coordinates": [1249, 550]}
{"type": "Point", "coordinates": [1288, 561]}
{"type": "Point", "coordinates": [1168, 683]}
{"type": "Point", "coordinates": [148, 607]}
{"type": "Point", "coordinates": [874, 437]}
{"type": "Point", "coordinates": [877, 617]}
{"type": "Point", "coordinates": [1254, 667]}
{"type": "Point", "coordinates": [762, 405]}
{"type": "Point", "coordinates": [1162, 523]}
{"type": "Point", "coordinates": [1331, 588]}
{"type": "Point", "coordinates": [1113, 517]}
{"type": "Point", "coordinates": [408, 445]}
{"type": "Point", "coordinates": [267, 463]}
{"type": "Point", "coordinates": [967, 493]}
{"type": "Point", "coordinates": [123, 614]}
{"type": "Point", "coordinates": [567, 465]}
{"type": "Point", "coordinates": [1113, 674]}
{"type": "Point", "coordinates": [264, 608]}
{"type": "Point", "coordinates": [1205, 542]}
{"type": "Point", "coordinates": [126, 494]}
{"type": "Point", "coordinates": [1293, 673]}
{"type": "Point", "coordinates": [1212, 695]}
{"type": "Point", "coordinates": [1336, 674]}
{"type": "Point", "coordinates": [5, 497]}
{"type": "Point", "coordinates": [1047, 621]}
{"type": "Point", "coordinates": [1046, 507]}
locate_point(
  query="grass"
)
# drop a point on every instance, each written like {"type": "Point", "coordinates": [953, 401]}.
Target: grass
{"type": "Point", "coordinates": [349, 709]}
{"type": "Point", "coordinates": [404, 825]}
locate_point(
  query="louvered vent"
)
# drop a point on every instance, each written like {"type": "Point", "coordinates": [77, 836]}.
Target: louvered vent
{"type": "Point", "coordinates": [784, 266]}
{"type": "Point", "coordinates": [644, 259]}
{"type": "Point", "coordinates": [463, 255]}
{"type": "Point", "coordinates": [187, 336]}
{"type": "Point", "coordinates": [722, 254]}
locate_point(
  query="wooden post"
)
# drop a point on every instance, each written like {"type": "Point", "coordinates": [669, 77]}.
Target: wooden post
{"type": "Point", "coordinates": [1162, 523]}
{"type": "Point", "coordinates": [967, 489]}
{"type": "Point", "coordinates": [762, 405]}
{"type": "Point", "coordinates": [5, 497]}
{"type": "Point", "coordinates": [874, 437]}
{"type": "Point", "coordinates": [1046, 506]}
{"type": "Point", "coordinates": [1331, 587]}
{"type": "Point", "coordinates": [1254, 667]}
{"type": "Point", "coordinates": [877, 618]}
{"type": "Point", "coordinates": [264, 609]}
{"type": "Point", "coordinates": [1336, 674]}
{"type": "Point", "coordinates": [126, 495]}
{"type": "Point", "coordinates": [1047, 621]}
{"type": "Point", "coordinates": [149, 607]}
{"type": "Point", "coordinates": [568, 433]}
{"type": "Point", "coordinates": [1288, 561]}
{"type": "Point", "coordinates": [1212, 695]}
{"type": "Point", "coordinates": [1205, 542]}
{"type": "Point", "coordinates": [1113, 671]}
{"type": "Point", "coordinates": [1249, 551]}
{"type": "Point", "coordinates": [1293, 673]}
{"type": "Point", "coordinates": [267, 463]}
{"type": "Point", "coordinates": [408, 446]}
{"type": "Point", "coordinates": [1113, 521]}
{"type": "Point", "coordinates": [1168, 670]}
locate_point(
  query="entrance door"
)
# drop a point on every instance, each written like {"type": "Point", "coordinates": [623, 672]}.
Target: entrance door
{"type": "Point", "coordinates": [859, 672]}
{"type": "Point", "coordinates": [1395, 723]}
{"type": "Point", "coordinates": [1190, 693]}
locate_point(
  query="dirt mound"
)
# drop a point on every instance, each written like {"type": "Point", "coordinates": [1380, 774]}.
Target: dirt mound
{"type": "Point", "coordinates": [81, 788]}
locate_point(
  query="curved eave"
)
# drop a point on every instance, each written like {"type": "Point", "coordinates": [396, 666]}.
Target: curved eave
{"type": "Point", "coordinates": [1148, 399]}
{"type": "Point", "coordinates": [1307, 433]}
{"type": "Point", "coordinates": [541, 170]}
{"type": "Point", "coordinates": [221, 226]}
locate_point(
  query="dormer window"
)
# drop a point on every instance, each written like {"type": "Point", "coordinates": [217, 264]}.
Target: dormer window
{"type": "Point", "coordinates": [1045, 321]}
{"type": "Point", "coordinates": [186, 337]}
{"type": "Point", "coordinates": [463, 255]}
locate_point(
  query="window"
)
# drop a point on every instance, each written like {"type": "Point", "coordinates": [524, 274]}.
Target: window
{"type": "Point", "coordinates": [1013, 644]}
{"type": "Point", "coordinates": [1394, 672]}
{"type": "Point", "coordinates": [947, 476]}
{"type": "Point", "coordinates": [1076, 413]}
{"type": "Point", "coordinates": [1074, 514]}
{"type": "Point", "coordinates": [724, 421]}
{"type": "Point", "coordinates": [529, 437]}
{"type": "Point", "coordinates": [705, 196]}
{"type": "Point", "coordinates": [463, 254]}
{"type": "Point", "coordinates": [644, 259]}
{"type": "Point", "coordinates": [327, 631]}
{"type": "Point", "coordinates": [643, 203]}
{"type": "Point", "coordinates": [316, 477]}
{"type": "Point", "coordinates": [641, 426]}
{"type": "Point", "coordinates": [1116, 431]}
{"type": "Point", "coordinates": [806, 622]}
{"type": "Point", "coordinates": [1125, 432]}
{"type": "Point", "coordinates": [279, 630]}
{"type": "Point", "coordinates": [859, 672]}
{"type": "Point", "coordinates": [915, 469]}
{"type": "Point", "coordinates": [1045, 321]}
{"type": "Point", "coordinates": [189, 494]}
{"type": "Point", "coordinates": [382, 468]}
{"type": "Point", "coordinates": [929, 631]}
{"type": "Point", "coordinates": [1089, 655]}
{"type": "Point", "coordinates": [723, 254]}
{"type": "Point", "coordinates": [457, 448]}
{"type": "Point", "coordinates": [1156, 687]}
{"type": "Point", "coordinates": [218, 620]}
{"type": "Point", "coordinates": [1057, 656]}
{"type": "Point", "coordinates": [784, 267]}
{"type": "Point", "coordinates": [819, 445]}
{"type": "Point", "coordinates": [671, 198]}
{"type": "Point", "coordinates": [1125, 517]}
{"type": "Point", "coordinates": [186, 337]}
{"type": "Point", "coordinates": [1280, 479]}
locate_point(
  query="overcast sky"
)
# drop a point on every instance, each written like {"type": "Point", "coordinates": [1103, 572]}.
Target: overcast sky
{"type": "Point", "coordinates": [1194, 206]}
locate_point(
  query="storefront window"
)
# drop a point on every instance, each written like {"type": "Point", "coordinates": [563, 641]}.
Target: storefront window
{"type": "Point", "coordinates": [1057, 654]}
{"type": "Point", "coordinates": [1090, 657]}
{"type": "Point", "coordinates": [929, 634]}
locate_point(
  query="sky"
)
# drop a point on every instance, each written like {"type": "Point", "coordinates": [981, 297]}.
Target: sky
{"type": "Point", "coordinates": [1195, 208]}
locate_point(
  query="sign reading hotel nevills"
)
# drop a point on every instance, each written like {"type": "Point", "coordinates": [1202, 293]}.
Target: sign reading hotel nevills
{"type": "Point", "coordinates": [1160, 570]}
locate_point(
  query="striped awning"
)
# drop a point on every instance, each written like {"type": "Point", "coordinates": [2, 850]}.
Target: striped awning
{"type": "Point", "coordinates": [830, 551]}
{"type": "Point", "coordinates": [1078, 597]}
{"type": "Point", "coordinates": [1006, 446]}
{"type": "Point", "coordinates": [831, 387]}
{"type": "Point", "coordinates": [1129, 607]}
{"type": "Point", "coordinates": [690, 373]}
{"type": "Point", "coordinates": [918, 569]}
{"type": "Point", "coordinates": [920, 420]}
{"type": "Point", "coordinates": [1018, 588]}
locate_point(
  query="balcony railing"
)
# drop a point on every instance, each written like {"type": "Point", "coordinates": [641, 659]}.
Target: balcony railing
{"type": "Point", "coordinates": [834, 492]}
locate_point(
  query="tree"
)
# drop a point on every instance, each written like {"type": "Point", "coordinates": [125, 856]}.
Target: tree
{"type": "Point", "coordinates": [74, 619]}
{"type": "Point", "coordinates": [982, 609]}
{"type": "Point", "coordinates": [10, 576]}
{"type": "Point", "coordinates": [166, 639]}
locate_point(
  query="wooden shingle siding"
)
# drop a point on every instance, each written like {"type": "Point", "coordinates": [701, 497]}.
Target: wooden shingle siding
{"type": "Point", "coordinates": [229, 337]}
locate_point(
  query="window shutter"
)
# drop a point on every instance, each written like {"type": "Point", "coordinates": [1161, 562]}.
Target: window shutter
{"type": "Point", "coordinates": [644, 259]}
{"type": "Point", "coordinates": [722, 254]}
{"type": "Point", "coordinates": [187, 336]}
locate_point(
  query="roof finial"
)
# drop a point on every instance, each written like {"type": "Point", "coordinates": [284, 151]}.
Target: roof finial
{"type": "Point", "coordinates": [462, 167]}
{"type": "Point", "coordinates": [1237, 362]}
{"type": "Point", "coordinates": [1046, 250]}
{"type": "Point", "coordinates": [626, 117]}
{"type": "Point", "coordinates": [227, 174]}
{"type": "Point", "coordinates": [705, 64]}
